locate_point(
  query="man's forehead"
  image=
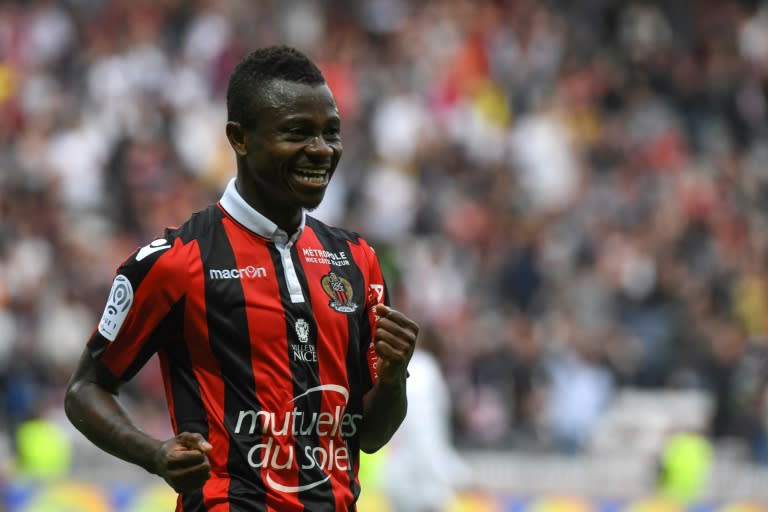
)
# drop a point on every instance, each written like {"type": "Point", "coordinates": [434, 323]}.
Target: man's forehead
{"type": "Point", "coordinates": [282, 94]}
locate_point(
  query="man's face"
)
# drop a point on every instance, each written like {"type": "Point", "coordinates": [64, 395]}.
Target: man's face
{"type": "Point", "coordinates": [292, 147]}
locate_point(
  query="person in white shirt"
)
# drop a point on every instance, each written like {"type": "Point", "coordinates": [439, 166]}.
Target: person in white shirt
{"type": "Point", "coordinates": [423, 470]}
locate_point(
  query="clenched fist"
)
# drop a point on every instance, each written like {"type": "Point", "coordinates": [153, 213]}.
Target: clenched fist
{"type": "Point", "coordinates": [183, 463]}
{"type": "Point", "coordinates": [394, 341]}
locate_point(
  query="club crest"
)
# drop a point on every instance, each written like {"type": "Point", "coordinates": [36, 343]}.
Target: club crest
{"type": "Point", "coordinates": [339, 290]}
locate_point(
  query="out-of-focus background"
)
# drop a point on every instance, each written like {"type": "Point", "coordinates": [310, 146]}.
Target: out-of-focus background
{"type": "Point", "coordinates": [570, 196]}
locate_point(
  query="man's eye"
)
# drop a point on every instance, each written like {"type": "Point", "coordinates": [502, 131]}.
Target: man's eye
{"type": "Point", "coordinates": [332, 135]}
{"type": "Point", "coordinates": [297, 134]}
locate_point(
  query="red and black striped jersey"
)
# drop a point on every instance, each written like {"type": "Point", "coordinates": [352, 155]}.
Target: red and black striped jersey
{"type": "Point", "coordinates": [266, 348]}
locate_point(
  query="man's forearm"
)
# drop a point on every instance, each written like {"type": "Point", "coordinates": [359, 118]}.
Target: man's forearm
{"type": "Point", "coordinates": [385, 408]}
{"type": "Point", "coordinates": [100, 417]}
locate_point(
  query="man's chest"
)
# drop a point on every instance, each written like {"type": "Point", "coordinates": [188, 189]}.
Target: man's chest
{"type": "Point", "coordinates": [296, 295]}
{"type": "Point", "coordinates": [286, 322]}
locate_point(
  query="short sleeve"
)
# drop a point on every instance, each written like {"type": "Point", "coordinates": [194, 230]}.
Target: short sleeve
{"type": "Point", "coordinates": [377, 294]}
{"type": "Point", "coordinates": [144, 294]}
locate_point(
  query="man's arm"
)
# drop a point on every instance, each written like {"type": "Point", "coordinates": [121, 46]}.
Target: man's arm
{"type": "Point", "coordinates": [91, 405]}
{"type": "Point", "coordinates": [386, 404]}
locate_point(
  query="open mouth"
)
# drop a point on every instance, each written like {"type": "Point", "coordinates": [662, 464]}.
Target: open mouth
{"type": "Point", "coordinates": [312, 176]}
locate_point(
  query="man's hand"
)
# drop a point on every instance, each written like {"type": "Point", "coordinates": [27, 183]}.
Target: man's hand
{"type": "Point", "coordinates": [182, 462]}
{"type": "Point", "coordinates": [395, 340]}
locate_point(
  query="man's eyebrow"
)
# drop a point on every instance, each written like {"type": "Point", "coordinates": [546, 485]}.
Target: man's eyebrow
{"type": "Point", "coordinates": [303, 117]}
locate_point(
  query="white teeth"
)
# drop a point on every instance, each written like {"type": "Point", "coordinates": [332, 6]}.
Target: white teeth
{"type": "Point", "coordinates": [312, 179]}
{"type": "Point", "coordinates": [314, 176]}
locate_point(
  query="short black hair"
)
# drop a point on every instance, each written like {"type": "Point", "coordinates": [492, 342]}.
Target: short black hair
{"type": "Point", "coordinates": [262, 66]}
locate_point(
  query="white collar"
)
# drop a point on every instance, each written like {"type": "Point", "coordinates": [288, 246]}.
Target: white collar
{"type": "Point", "coordinates": [234, 204]}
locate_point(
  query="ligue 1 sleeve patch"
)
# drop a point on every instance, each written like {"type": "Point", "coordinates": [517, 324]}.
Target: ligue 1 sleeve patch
{"type": "Point", "coordinates": [118, 304]}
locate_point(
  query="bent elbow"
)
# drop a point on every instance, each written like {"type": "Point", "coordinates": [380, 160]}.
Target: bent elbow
{"type": "Point", "coordinates": [80, 398]}
{"type": "Point", "coordinates": [71, 401]}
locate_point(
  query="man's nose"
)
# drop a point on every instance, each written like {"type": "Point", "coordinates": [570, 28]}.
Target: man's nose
{"type": "Point", "coordinates": [318, 146]}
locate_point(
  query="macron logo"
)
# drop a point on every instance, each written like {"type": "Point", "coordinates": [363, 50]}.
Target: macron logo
{"type": "Point", "coordinates": [249, 272]}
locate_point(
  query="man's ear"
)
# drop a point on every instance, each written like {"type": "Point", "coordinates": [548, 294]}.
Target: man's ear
{"type": "Point", "coordinates": [236, 137]}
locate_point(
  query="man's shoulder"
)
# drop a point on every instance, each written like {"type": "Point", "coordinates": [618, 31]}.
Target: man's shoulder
{"type": "Point", "coordinates": [173, 239]}
{"type": "Point", "coordinates": [324, 230]}
{"type": "Point", "coordinates": [198, 225]}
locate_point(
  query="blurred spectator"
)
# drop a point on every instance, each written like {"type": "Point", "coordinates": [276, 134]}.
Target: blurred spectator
{"type": "Point", "coordinates": [736, 376]}
{"type": "Point", "coordinates": [44, 452]}
{"type": "Point", "coordinates": [579, 385]}
{"type": "Point", "coordinates": [685, 465]}
{"type": "Point", "coordinates": [513, 369]}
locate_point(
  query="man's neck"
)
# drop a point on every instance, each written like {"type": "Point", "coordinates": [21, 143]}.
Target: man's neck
{"type": "Point", "coordinates": [288, 221]}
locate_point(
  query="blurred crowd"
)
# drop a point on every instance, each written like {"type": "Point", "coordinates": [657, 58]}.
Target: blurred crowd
{"type": "Point", "coordinates": [570, 196]}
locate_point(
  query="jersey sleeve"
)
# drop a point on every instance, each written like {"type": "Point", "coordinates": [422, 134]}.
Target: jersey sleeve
{"type": "Point", "coordinates": [377, 294]}
{"type": "Point", "coordinates": [136, 316]}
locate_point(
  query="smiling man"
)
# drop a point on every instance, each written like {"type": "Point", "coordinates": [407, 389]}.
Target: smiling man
{"type": "Point", "coordinates": [280, 355]}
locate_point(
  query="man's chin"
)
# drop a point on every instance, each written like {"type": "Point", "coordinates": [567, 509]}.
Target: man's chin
{"type": "Point", "coordinates": [311, 204]}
